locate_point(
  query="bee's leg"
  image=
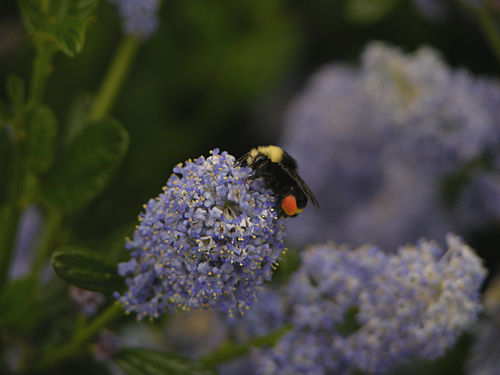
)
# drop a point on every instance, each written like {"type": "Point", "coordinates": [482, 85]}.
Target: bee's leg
{"type": "Point", "coordinates": [251, 177]}
{"type": "Point", "coordinates": [258, 173]}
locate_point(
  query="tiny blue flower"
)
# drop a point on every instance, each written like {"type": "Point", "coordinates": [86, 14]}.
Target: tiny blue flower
{"type": "Point", "coordinates": [210, 240]}
{"type": "Point", "coordinates": [86, 301]}
{"type": "Point", "coordinates": [30, 226]}
{"type": "Point", "coordinates": [139, 17]}
{"type": "Point", "coordinates": [365, 310]}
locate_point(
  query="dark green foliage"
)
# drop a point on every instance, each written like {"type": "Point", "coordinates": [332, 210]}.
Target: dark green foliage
{"type": "Point", "coordinates": [63, 22]}
{"type": "Point", "coordinates": [365, 12]}
{"type": "Point", "coordinates": [86, 269]}
{"type": "Point", "coordinates": [5, 163]}
{"type": "Point", "coordinates": [135, 361]}
{"type": "Point", "coordinates": [19, 305]}
{"type": "Point", "coordinates": [41, 142]}
{"type": "Point", "coordinates": [83, 169]}
{"type": "Point", "coordinates": [16, 90]}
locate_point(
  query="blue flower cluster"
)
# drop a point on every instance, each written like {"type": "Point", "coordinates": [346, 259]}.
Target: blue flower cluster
{"type": "Point", "coordinates": [139, 17]}
{"type": "Point", "coordinates": [378, 144]}
{"type": "Point", "coordinates": [365, 310]}
{"type": "Point", "coordinates": [210, 240]}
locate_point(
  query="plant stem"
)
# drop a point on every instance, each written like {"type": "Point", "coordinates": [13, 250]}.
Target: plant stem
{"type": "Point", "coordinates": [53, 220]}
{"type": "Point", "coordinates": [115, 76]}
{"type": "Point", "coordinates": [489, 27]}
{"type": "Point", "coordinates": [42, 67]}
{"type": "Point", "coordinates": [56, 356]}
{"type": "Point", "coordinates": [231, 351]}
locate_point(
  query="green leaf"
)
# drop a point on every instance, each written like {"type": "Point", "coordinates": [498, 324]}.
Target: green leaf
{"type": "Point", "coordinates": [135, 361]}
{"type": "Point", "coordinates": [16, 90]}
{"type": "Point", "coordinates": [70, 34]}
{"type": "Point", "coordinates": [6, 149]}
{"type": "Point", "coordinates": [85, 167]}
{"type": "Point", "coordinates": [32, 13]}
{"type": "Point", "coordinates": [288, 264]}
{"type": "Point", "coordinates": [86, 269]}
{"type": "Point", "coordinates": [18, 304]}
{"type": "Point", "coordinates": [84, 8]}
{"type": "Point", "coordinates": [62, 21]}
{"type": "Point", "coordinates": [42, 131]}
{"type": "Point", "coordinates": [365, 12]}
{"type": "Point", "coordinates": [77, 116]}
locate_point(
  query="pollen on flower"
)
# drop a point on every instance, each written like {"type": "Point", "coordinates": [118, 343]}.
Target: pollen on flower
{"type": "Point", "coordinates": [199, 228]}
{"type": "Point", "coordinates": [399, 314]}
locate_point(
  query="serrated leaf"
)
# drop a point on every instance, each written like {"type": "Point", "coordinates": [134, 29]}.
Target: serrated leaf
{"type": "Point", "coordinates": [6, 148]}
{"type": "Point", "coordinates": [16, 90]}
{"type": "Point", "coordinates": [42, 131]}
{"type": "Point", "coordinates": [366, 12]}
{"type": "Point", "coordinates": [70, 34]}
{"type": "Point", "coordinates": [135, 361]}
{"type": "Point", "coordinates": [18, 304]}
{"type": "Point", "coordinates": [86, 269]}
{"type": "Point", "coordinates": [84, 169]}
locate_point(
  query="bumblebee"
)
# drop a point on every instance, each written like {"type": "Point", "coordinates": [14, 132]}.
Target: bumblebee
{"type": "Point", "coordinates": [279, 171]}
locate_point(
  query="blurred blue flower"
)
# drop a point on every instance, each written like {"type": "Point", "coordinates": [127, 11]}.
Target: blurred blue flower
{"type": "Point", "coordinates": [439, 117]}
{"type": "Point", "coordinates": [366, 310]}
{"type": "Point", "coordinates": [375, 145]}
{"type": "Point", "coordinates": [86, 301]}
{"type": "Point", "coordinates": [431, 9]}
{"type": "Point", "coordinates": [30, 226]}
{"type": "Point", "coordinates": [265, 316]}
{"type": "Point", "coordinates": [210, 240]}
{"type": "Point", "coordinates": [106, 345]}
{"type": "Point", "coordinates": [139, 17]}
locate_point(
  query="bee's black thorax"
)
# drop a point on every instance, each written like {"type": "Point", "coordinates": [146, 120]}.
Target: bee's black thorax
{"type": "Point", "coordinates": [279, 181]}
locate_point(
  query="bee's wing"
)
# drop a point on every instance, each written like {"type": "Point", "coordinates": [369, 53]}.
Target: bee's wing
{"type": "Point", "coordinates": [302, 184]}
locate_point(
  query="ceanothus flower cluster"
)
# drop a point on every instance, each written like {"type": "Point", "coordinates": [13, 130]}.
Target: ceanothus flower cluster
{"type": "Point", "coordinates": [365, 310]}
{"type": "Point", "coordinates": [381, 145]}
{"type": "Point", "coordinates": [139, 17]}
{"type": "Point", "coordinates": [210, 240]}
